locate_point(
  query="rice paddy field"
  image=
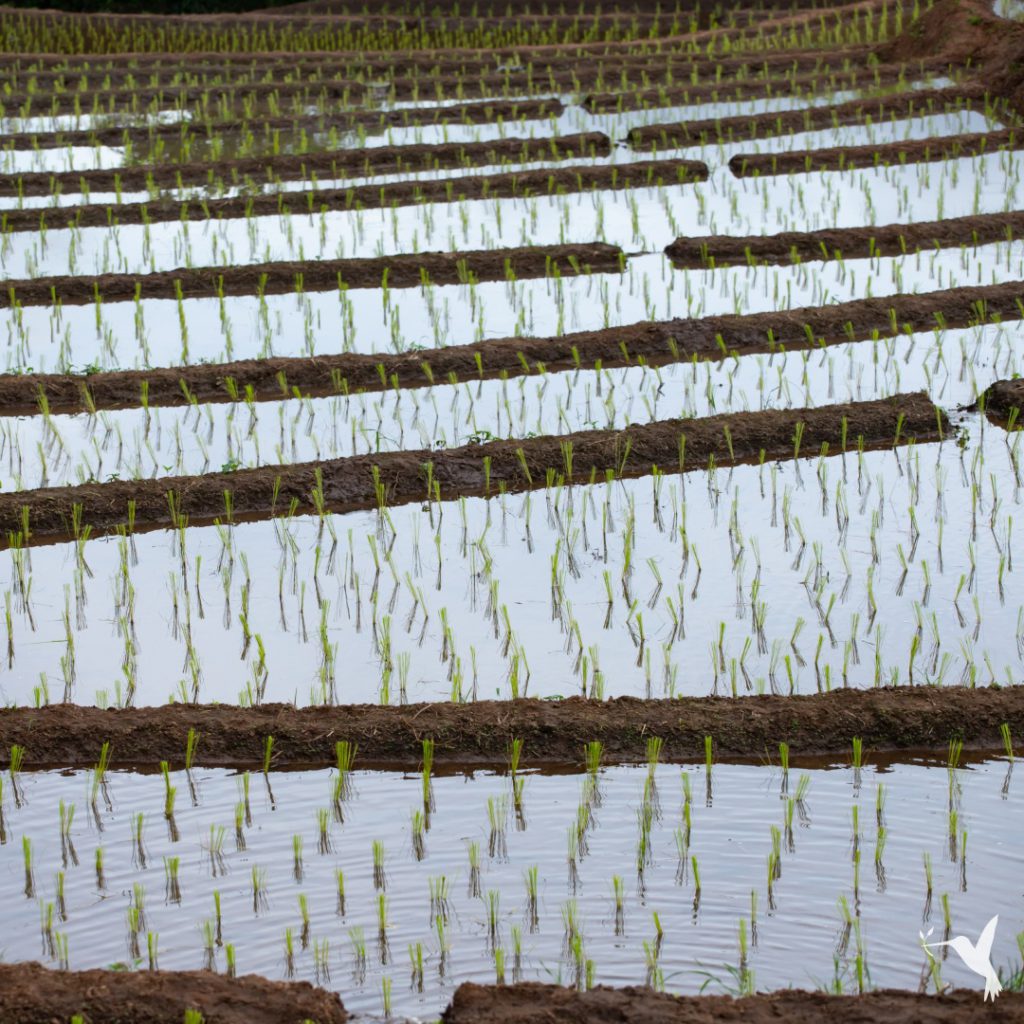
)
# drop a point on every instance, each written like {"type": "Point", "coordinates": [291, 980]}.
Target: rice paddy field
{"type": "Point", "coordinates": [443, 448]}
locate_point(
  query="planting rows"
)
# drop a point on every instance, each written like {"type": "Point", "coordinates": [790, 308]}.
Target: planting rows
{"type": "Point", "coordinates": [601, 407]}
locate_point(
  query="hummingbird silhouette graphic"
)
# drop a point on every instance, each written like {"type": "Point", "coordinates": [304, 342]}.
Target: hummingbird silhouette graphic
{"type": "Point", "coordinates": [975, 956]}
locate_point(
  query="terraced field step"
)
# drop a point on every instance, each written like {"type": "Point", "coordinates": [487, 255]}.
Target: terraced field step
{"type": "Point", "coordinates": [846, 243]}
{"type": "Point", "coordinates": [401, 271]}
{"type": "Point", "coordinates": [913, 103]}
{"type": "Point", "coordinates": [553, 731]}
{"type": "Point", "coordinates": [395, 478]}
{"type": "Point", "coordinates": [522, 184]}
{"type": "Point", "coordinates": [654, 342]}
{"type": "Point", "coordinates": [827, 80]}
{"type": "Point", "coordinates": [839, 158]}
{"type": "Point", "coordinates": [486, 112]}
{"type": "Point", "coordinates": [341, 163]}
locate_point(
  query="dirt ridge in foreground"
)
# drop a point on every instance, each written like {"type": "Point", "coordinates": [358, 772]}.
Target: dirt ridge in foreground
{"type": "Point", "coordinates": [33, 994]}
{"type": "Point", "coordinates": [532, 1002]}
{"type": "Point", "coordinates": [362, 482]}
{"type": "Point", "coordinates": [887, 719]}
{"type": "Point", "coordinates": [405, 270]}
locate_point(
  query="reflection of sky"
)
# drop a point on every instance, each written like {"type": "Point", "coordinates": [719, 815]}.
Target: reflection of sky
{"type": "Point", "coordinates": [731, 840]}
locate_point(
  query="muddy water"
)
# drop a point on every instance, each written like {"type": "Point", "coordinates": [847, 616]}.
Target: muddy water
{"type": "Point", "coordinates": [796, 934]}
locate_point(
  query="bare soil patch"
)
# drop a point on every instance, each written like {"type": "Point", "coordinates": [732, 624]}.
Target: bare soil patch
{"type": "Point", "coordinates": [530, 1002]}
{"type": "Point", "coordinates": [402, 271]}
{"type": "Point", "coordinates": [887, 719]}
{"type": "Point", "coordinates": [32, 994]}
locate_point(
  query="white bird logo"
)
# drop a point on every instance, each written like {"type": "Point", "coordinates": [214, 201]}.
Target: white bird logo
{"type": "Point", "coordinates": [974, 955]}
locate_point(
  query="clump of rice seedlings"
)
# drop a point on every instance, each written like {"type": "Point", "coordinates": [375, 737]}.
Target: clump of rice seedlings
{"type": "Point", "coordinates": [260, 899]}
{"type": "Point", "coordinates": [1004, 732]}
{"type": "Point", "coordinates": [654, 745]}
{"type": "Point", "coordinates": [571, 855]}
{"type": "Point", "coordinates": [380, 881]}
{"type": "Point", "coordinates": [592, 752]}
{"type": "Point", "coordinates": [499, 965]}
{"type": "Point", "coordinates": [231, 965]}
{"type": "Point", "coordinates": [215, 850]}
{"type": "Point", "coordinates": [101, 882]}
{"type": "Point", "coordinates": [67, 845]}
{"type": "Point", "coordinates": [416, 966]}
{"type": "Point", "coordinates": [170, 792]}
{"type": "Point", "coordinates": [531, 877]}
{"type": "Point", "coordinates": [323, 819]}
{"type": "Point", "coordinates": [497, 819]}
{"type": "Point", "coordinates": [473, 887]}
{"type": "Point", "coordinates": [753, 918]}
{"type": "Point", "coordinates": [619, 893]}
{"type": "Point", "coordinates": [927, 912]}
{"type": "Point", "coordinates": [172, 885]}
{"type": "Point", "coordinates": [517, 953]}
{"type": "Point", "coordinates": [345, 756]}
{"type": "Point", "coordinates": [492, 902]}
{"type": "Point", "coordinates": [784, 761]}
{"type": "Point", "coordinates": [419, 848]}
{"type": "Point", "coordinates": [240, 825]}
{"type": "Point", "coordinates": [696, 885]}
{"type": "Point", "coordinates": [218, 917]}
{"type": "Point", "coordinates": [191, 745]}
{"type": "Point", "coordinates": [428, 787]}
{"type": "Point", "coordinates": [304, 915]}
{"type": "Point", "coordinates": [746, 976]}
{"type": "Point", "coordinates": [440, 928]}
{"type": "Point", "coordinates": [439, 896]}
{"type": "Point", "coordinates": [151, 950]}
{"type": "Point", "coordinates": [358, 943]}
{"type": "Point", "coordinates": [46, 927]}
{"type": "Point", "coordinates": [17, 758]}
{"type": "Point", "coordinates": [858, 760]}
{"type": "Point", "coordinates": [321, 961]}
{"type": "Point", "coordinates": [137, 823]}
{"type": "Point", "coordinates": [339, 885]}
{"type": "Point", "coordinates": [297, 871]}
{"type": "Point", "coordinates": [99, 782]}
{"type": "Point", "coordinates": [382, 929]}
{"type": "Point", "coordinates": [803, 784]}
{"type": "Point", "coordinates": [385, 991]}
{"type": "Point", "coordinates": [847, 927]}
{"type": "Point", "coordinates": [707, 770]}
{"type": "Point", "coordinates": [289, 953]}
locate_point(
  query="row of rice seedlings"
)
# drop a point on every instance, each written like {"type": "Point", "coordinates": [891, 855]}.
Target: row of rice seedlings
{"type": "Point", "coordinates": [28, 33]}
{"type": "Point", "coordinates": [548, 931]}
{"type": "Point", "coordinates": [145, 442]}
{"type": "Point", "coordinates": [649, 217]}
{"type": "Point", "coordinates": [836, 553]}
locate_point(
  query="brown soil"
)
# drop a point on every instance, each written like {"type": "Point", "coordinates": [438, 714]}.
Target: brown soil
{"type": "Point", "coordinates": [828, 80]}
{"type": "Point", "coordinates": [32, 994]}
{"type": "Point", "coordinates": [487, 112]}
{"type": "Point", "coordinates": [746, 165]}
{"type": "Point", "coordinates": [204, 68]}
{"type": "Point", "coordinates": [522, 184]}
{"type": "Point", "coordinates": [533, 1002]}
{"type": "Point", "coordinates": [656, 342]}
{"type": "Point", "coordinates": [403, 271]}
{"type": "Point", "coordinates": [845, 243]}
{"type": "Point", "coordinates": [887, 719]}
{"type": "Point", "coordinates": [359, 482]}
{"type": "Point", "coordinates": [1002, 397]}
{"type": "Point", "coordinates": [914, 103]}
{"type": "Point", "coordinates": [344, 163]}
